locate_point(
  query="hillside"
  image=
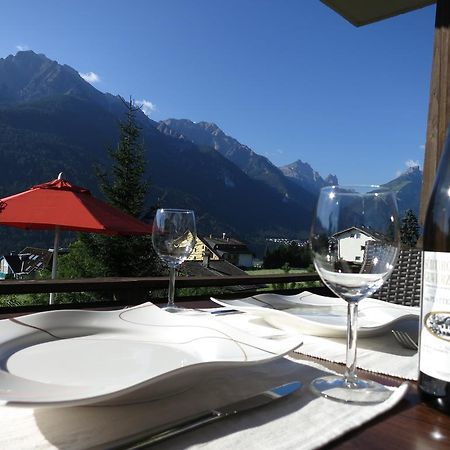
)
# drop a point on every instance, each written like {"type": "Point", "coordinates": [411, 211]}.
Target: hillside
{"type": "Point", "coordinates": [408, 188]}
{"type": "Point", "coordinates": [256, 166]}
{"type": "Point", "coordinates": [51, 120]}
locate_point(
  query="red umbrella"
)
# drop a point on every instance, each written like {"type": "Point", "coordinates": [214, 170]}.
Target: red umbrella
{"type": "Point", "coordinates": [60, 205]}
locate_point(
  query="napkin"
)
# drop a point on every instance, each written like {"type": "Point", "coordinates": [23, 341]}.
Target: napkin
{"type": "Point", "coordinates": [379, 354]}
{"type": "Point", "coordinates": [301, 421]}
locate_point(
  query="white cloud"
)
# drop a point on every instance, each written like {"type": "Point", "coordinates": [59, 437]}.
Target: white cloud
{"type": "Point", "coordinates": [422, 147]}
{"type": "Point", "coordinates": [408, 163]}
{"type": "Point", "coordinates": [90, 77]}
{"type": "Point", "coordinates": [146, 105]}
{"type": "Point", "coordinates": [22, 48]}
{"type": "Point", "coordinates": [411, 163]}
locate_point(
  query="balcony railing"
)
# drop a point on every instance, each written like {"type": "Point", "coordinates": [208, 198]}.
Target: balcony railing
{"type": "Point", "coordinates": [131, 291]}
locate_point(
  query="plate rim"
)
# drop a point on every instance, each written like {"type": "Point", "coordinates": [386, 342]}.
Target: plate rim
{"type": "Point", "coordinates": [105, 398]}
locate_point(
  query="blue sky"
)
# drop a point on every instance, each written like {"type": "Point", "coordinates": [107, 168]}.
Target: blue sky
{"type": "Point", "coordinates": [291, 79]}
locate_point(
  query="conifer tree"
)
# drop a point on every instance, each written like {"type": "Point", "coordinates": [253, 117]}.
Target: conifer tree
{"type": "Point", "coordinates": [409, 230]}
{"type": "Point", "coordinates": [125, 188]}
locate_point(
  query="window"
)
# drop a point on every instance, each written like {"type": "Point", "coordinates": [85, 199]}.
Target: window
{"type": "Point", "coordinates": [363, 247]}
{"type": "Point", "coordinates": [357, 258]}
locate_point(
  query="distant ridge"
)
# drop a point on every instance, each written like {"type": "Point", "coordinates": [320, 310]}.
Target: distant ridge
{"type": "Point", "coordinates": [408, 187]}
{"type": "Point", "coordinates": [303, 174]}
{"type": "Point", "coordinates": [52, 120]}
{"type": "Point", "coordinates": [256, 166]}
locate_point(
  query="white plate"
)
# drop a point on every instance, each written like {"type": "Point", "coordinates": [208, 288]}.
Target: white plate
{"type": "Point", "coordinates": [318, 315]}
{"type": "Point", "coordinates": [68, 358]}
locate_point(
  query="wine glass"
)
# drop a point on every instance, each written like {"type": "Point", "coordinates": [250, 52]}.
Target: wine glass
{"type": "Point", "coordinates": [173, 236]}
{"type": "Point", "coordinates": [355, 241]}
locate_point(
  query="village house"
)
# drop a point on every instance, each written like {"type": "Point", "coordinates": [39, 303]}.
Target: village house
{"type": "Point", "coordinates": [352, 244]}
{"type": "Point", "coordinates": [217, 257]}
{"type": "Point", "coordinates": [25, 264]}
{"type": "Point", "coordinates": [224, 248]}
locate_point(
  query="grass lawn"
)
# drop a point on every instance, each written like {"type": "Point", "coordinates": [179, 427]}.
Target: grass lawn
{"type": "Point", "coordinates": [277, 286]}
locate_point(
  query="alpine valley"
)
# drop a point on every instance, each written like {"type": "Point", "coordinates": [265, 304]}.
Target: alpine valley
{"type": "Point", "coordinates": [51, 121]}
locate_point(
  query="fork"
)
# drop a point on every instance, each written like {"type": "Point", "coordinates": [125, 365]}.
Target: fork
{"type": "Point", "coordinates": [405, 340]}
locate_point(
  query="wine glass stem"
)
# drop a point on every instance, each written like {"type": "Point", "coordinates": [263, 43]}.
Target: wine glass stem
{"type": "Point", "coordinates": [171, 296]}
{"type": "Point", "coordinates": [352, 334]}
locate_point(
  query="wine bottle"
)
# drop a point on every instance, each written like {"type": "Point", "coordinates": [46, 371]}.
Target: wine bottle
{"type": "Point", "coordinates": [434, 351]}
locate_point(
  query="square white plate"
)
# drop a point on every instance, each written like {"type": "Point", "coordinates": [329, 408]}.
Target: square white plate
{"type": "Point", "coordinates": [319, 315]}
{"type": "Point", "coordinates": [74, 357]}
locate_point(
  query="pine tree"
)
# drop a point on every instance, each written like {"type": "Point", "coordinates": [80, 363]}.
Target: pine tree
{"type": "Point", "coordinates": [409, 230]}
{"type": "Point", "coordinates": [124, 188]}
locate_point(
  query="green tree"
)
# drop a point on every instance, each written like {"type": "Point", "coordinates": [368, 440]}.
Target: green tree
{"type": "Point", "coordinates": [292, 254]}
{"type": "Point", "coordinates": [125, 188]}
{"type": "Point", "coordinates": [409, 230]}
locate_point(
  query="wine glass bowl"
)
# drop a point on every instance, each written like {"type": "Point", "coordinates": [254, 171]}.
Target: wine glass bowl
{"type": "Point", "coordinates": [355, 241]}
{"type": "Point", "coordinates": [173, 237]}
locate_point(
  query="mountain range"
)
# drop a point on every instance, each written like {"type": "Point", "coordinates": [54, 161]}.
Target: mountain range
{"type": "Point", "coordinates": [52, 120]}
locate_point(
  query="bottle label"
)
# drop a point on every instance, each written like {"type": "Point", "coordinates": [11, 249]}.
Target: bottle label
{"type": "Point", "coordinates": [435, 316]}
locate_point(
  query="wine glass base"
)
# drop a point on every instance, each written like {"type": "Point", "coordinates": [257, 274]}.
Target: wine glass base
{"type": "Point", "coordinates": [362, 392]}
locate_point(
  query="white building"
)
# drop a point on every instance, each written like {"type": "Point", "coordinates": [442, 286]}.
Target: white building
{"type": "Point", "coordinates": [351, 244]}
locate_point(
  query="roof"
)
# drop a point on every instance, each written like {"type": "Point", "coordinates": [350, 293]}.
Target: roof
{"type": "Point", "coordinates": [363, 12]}
{"type": "Point", "coordinates": [366, 231]}
{"type": "Point", "coordinates": [14, 263]}
{"type": "Point", "coordinates": [28, 260]}
{"type": "Point", "coordinates": [226, 245]}
{"type": "Point", "coordinates": [35, 258]}
{"type": "Point", "coordinates": [216, 268]}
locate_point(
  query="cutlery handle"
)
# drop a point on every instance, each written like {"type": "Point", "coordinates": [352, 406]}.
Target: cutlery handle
{"type": "Point", "coordinates": [254, 401]}
{"type": "Point", "coordinates": [176, 430]}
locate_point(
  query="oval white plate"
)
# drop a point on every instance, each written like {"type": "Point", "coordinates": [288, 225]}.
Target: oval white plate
{"type": "Point", "coordinates": [69, 358]}
{"type": "Point", "coordinates": [318, 315]}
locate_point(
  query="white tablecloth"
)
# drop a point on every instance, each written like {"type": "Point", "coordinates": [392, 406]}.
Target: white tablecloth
{"type": "Point", "coordinates": [379, 354]}
{"type": "Point", "coordinates": [300, 421]}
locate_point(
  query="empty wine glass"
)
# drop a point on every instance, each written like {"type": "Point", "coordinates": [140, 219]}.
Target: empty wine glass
{"type": "Point", "coordinates": [174, 235]}
{"type": "Point", "coordinates": [355, 242]}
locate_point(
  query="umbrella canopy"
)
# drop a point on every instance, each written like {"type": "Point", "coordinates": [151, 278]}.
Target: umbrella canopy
{"type": "Point", "coordinates": [58, 203]}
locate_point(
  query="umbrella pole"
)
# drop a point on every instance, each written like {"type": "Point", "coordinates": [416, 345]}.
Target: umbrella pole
{"type": "Point", "coordinates": [54, 263]}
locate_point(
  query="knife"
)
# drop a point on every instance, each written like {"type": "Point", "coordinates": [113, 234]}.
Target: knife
{"type": "Point", "coordinates": [231, 409]}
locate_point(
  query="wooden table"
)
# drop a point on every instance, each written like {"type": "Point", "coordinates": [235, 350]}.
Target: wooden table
{"type": "Point", "coordinates": [412, 424]}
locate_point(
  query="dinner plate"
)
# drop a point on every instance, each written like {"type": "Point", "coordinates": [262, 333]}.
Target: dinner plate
{"type": "Point", "coordinates": [319, 315]}
{"type": "Point", "coordinates": [75, 357]}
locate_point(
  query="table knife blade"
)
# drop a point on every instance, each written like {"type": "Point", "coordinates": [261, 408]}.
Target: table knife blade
{"type": "Point", "coordinates": [245, 404]}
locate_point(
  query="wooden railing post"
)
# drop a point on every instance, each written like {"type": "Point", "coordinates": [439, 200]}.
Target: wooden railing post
{"type": "Point", "coordinates": [439, 104]}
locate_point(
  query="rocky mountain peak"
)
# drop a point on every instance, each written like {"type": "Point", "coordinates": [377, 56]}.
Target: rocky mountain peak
{"type": "Point", "coordinates": [413, 170]}
{"type": "Point", "coordinates": [408, 187]}
{"type": "Point", "coordinates": [302, 173]}
{"type": "Point", "coordinates": [251, 163]}
{"type": "Point", "coordinates": [29, 76]}
{"type": "Point", "coordinates": [331, 180]}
